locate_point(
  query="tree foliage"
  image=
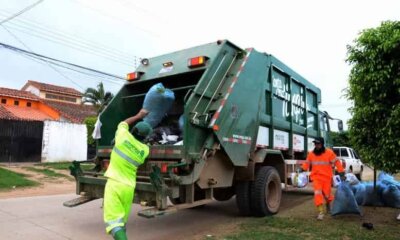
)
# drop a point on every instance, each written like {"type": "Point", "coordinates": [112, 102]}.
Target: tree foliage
{"type": "Point", "coordinates": [98, 97]}
{"type": "Point", "coordinates": [374, 89]}
{"type": "Point", "coordinates": [340, 138]}
{"type": "Point", "coordinates": [90, 122]}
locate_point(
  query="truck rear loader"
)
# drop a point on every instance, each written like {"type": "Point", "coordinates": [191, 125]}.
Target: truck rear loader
{"type": "Point", "coordinates": [247, 118]}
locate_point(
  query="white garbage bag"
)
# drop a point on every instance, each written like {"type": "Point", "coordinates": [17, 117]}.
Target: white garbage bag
{"type": "Point", "coordinates": [299, 180]}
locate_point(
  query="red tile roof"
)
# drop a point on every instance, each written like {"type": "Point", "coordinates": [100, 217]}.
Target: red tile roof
{"type": "Point", "coordinates": [5, 114]}
{"type": "Point", "coordinates": [52, 88]}
{"type": "Point", "coordinates": [73, 112]}
{"type": "Point", "coordinates": [8, 92]}
{"type": "Point", "coordinates": [23, 113]}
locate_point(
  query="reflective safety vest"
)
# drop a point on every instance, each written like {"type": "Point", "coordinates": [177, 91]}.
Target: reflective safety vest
{"type": "Point", "coordinates": [323, 164]}
{"type": "Point", "coordinates": [127, 155]}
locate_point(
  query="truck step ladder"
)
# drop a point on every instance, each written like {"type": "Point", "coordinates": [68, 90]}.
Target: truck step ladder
{"type": "Point", "coordinates": [78, 201]}
{"type": "Point", "coordinates": [154, 212]}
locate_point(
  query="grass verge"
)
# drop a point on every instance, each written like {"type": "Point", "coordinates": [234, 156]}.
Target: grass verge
{"type": "Point", "coordinates": [9, 180]}
{"type": "Point", "coordinates": [65, 165]}
{"type": "Point", "coordinates": [47, 172]}
{"type": "Point", "coordinates": [295, 228]}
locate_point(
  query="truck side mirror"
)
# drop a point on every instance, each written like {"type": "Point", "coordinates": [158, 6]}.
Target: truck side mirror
{"type": "Point", "coordinates": [340, 125]}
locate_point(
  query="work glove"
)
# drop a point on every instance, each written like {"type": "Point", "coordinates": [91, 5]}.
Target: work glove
{"type": "Point", "coordinates": [342, 177]}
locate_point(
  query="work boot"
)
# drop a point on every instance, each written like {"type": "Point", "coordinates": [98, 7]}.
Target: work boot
{"type": "Point", "coordinates": [120, 235]}
{"type": "Point", "coordinates": [328, 208]}
{"type": "Point", "coordinates": [321, 212]}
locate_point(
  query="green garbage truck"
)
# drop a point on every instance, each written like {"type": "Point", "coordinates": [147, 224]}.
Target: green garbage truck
{"type": "Point", "coordinates": [245, 117]}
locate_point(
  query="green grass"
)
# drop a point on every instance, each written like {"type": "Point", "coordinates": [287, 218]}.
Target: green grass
{"type": "Point", "coordinates": [291, 228]}
{"type": "Point", "coordinates": [65, 165]}
{"type": "Point", "coordinates": [9, 180]}
{"type": "Point", "coordinates": [47, 172]}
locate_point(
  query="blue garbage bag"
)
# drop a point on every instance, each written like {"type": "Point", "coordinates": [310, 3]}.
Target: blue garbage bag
{"type": "Point", "coordinates": [158, 101]}
{"type": "Point", "coordinates": [373, 197]}
{"type": "Point", "coordinates": [345, 202]}
{"type": "Point", "coordinates": [181, 122]}
{"type": "Point", "coordinates": [387, 179]}
{"type": "Point", "coordinates": [359, 193]}
{"type": "Point", "coordinates": [391, 196]}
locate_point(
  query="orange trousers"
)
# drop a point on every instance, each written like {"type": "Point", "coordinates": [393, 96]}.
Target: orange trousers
{"type": "Point", "coordinates": [322, 190]}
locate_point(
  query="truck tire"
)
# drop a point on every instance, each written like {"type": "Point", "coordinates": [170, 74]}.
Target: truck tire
{"type": "Point", "coordinates": [243, 197]}
{"type": "Point", "coordinates": [266, 192]}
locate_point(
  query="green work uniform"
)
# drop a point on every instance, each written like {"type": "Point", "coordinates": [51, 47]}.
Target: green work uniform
{"type": "Point", "coordinates": [127, 155]}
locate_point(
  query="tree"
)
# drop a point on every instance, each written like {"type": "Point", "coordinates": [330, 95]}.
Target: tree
{"type": "Point", "coordinates": [90, 122]}
{"type": "Point", "coordinates": [374, 89]}
{"type": "Point", "coordinates": [98, 97]}
{"type": "Point", "coordinates": [340, 138]}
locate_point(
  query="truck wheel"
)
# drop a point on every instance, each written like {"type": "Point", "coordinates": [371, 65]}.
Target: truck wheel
{"type": "Point", "coordinates": [359, 175]}
{"type": "Point", "coordinates": [266, 192]}
{"type": "Point", "coordinates": [243, 197]}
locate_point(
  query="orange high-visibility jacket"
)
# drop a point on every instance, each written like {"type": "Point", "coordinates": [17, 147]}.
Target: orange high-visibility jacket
{"type": "Point", "coordinates": [322, 164]}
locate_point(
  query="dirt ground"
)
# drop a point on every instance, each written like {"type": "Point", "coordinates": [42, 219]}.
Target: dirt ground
{"type": "Point", "coordinates": [48, 186]}
{"type": "Point", "coordinates": [294, 205]}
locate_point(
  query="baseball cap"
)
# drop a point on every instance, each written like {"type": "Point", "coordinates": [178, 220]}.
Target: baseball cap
{"type": "Point", "coordinates": [319, 140]}
{"type": "Point", "coordinates": [143, 129]}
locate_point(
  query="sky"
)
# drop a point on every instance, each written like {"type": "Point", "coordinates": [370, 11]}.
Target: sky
{"type": "Point", "coordinates": [310, 36]}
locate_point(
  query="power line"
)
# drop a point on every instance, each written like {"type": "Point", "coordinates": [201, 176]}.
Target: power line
{"type": "Point", "coordinates": [52, 60]}
{"type": "Point", "coordinates": [93, 52]}
{"type": "Point", "coordinates": [21, 12]}
{"type": "Point", "coordinates": [32, 25]}
{"type": "Point", "coordinates": [115, 18]}
{"type": "Point", "coordinates": [54, 69]}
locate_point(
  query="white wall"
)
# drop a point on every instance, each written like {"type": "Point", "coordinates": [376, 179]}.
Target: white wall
{"type": "Point", "coordinates": [63, 141]}
{"type": "Point", "coordinates": [33, 90]}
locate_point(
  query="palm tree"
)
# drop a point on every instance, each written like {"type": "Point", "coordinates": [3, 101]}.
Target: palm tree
{"type": "Point", "coordinates": [98, 97]}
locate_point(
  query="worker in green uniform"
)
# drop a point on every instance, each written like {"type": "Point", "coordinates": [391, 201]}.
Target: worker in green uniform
{"type": "Point", "coordinates": [128, 153]}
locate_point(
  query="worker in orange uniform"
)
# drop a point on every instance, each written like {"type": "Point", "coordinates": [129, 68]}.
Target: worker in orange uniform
{"type": "Point", "coordinates": [322, 160]}
{"type": "Point", "coordinates": [127, 155]}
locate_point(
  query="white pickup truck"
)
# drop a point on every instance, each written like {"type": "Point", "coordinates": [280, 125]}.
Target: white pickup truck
{"type": "Point", "coordinates": [350, 160]}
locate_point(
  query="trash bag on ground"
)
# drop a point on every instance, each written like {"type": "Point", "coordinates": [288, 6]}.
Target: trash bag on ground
{"type": "Point", "coordinates": [359, 193]}
{"type": "Point", "coordinates": [391, 196]}
{"type": "Point", "coordinates": [387, 179]}
{"type": "Point", "coordinates": [299, 180]}
{"type": "Point", "coordinates": [373, 197]}
{"type": "Point", "coordinates": [352, 179]}
{"type": "Point", "coordinates": [158, 101]}
{"type": "Point", "coordinates": [345, 202]}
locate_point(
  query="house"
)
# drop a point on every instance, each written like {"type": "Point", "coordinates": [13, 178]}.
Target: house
{"type": "Point", "coordinates": [43, 123]}
{"type": "Point", "coordinates": [53, 92]}
{"type": "Point", "coordinates": [21, 105]}
{"type": "Point", "coordinates": [67, 101]}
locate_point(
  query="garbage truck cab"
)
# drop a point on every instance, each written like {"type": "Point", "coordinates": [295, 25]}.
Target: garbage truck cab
{"type": "Point", "coordinates": [245, 116]}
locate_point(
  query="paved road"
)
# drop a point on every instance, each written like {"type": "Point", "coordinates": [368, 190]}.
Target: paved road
{"type": "Point", "coordinates": [45, 218]}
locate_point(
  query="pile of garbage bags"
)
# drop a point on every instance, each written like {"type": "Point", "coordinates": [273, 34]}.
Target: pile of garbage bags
{"type": "Point", "coordinates": [352, 194]}
{"type": "Point", "coordinates": [387, 192]}
{"type": "Point", "coordinates": [166, 130]}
